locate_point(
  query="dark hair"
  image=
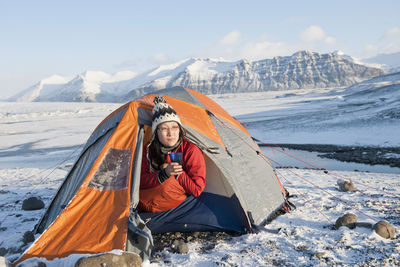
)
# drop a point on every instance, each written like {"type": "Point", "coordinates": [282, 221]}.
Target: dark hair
{"type": "Point", "coordinates": [156, 157]}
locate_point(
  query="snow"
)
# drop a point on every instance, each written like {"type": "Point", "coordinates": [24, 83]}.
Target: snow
{"type": "Point", "coordinates": [206, 68]}
{"type": "Point", "coordinates": [357, 115]}
{"type": "Point", "coordinates": [40, 141]}
{"type": "Point", "coordinates": [220, 74]}
{"type": "Point", "coordinates": [178, 66]}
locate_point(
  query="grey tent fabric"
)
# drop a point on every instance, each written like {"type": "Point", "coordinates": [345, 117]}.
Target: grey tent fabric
{"type": "Point", "coordinates": [251, 176]}
{"type": "Point", "coordinates": [181, 94]}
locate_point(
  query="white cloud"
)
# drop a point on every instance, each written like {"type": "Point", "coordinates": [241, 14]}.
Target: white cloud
{"type": "Point", "coordinates": [139, 64]}
{"type": "Point", "coordinates": [159, 58]}
{"type": "Point", "coordinates": [330, 40]}
{"type": "Point", "coordinates": [231, 38]}
{"type": "Point", "coordinates": [371, 49]}
{"type": "Point", "coordinates": [266, 49]}
{"type": "Point", "coordinates": [312, 33]}
{"type": "Point", "coordinates": [232, 47]}
{"type": "Point", "coordinates": [315, 33]}
{"type": "Point", "coordinates": [391, 33]}
{"type": "Point", "coordinates": [389, 42]}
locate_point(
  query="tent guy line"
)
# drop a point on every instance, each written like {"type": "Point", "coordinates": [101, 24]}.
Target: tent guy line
{"type": "Point", "coordinates": [52, 168]}
{"type": "Point", "coordinates": [339, 199]}
{"type": "Point", "coordinates": [299, 158]}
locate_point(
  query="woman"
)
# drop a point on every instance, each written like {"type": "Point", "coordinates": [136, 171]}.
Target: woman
{"type": "Point", "coordinates": [165, 184]}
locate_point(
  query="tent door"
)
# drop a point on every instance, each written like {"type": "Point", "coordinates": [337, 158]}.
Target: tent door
{"type": "Point", "coordinates": [139, 238]}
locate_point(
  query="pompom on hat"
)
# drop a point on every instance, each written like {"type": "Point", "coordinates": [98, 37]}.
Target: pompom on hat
{"type": "Point", "coordinates": [162, 112]}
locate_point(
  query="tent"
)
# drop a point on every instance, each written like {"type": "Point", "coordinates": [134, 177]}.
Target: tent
{"type": "Point", "coordinates": [94, 208]}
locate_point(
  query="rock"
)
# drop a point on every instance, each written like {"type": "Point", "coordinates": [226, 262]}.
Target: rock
{"type": "Point", "coordinates": [4, 262]}
{"type": "Point", "coordinates": [320, 255]}
{"type": "Point", "coordinates": [345, 186]}
{"type": "Point", "coordinates": [385, 229]}
{"type": "Point", "coordinates": [179, 246]}
{"type": "Point", "coordinates": [40, 264]}
{"type": "Point", "coordinates": [28, 237]}
{"type": "Point", "coordinates": [348, 220]}
{"type": "Point", "coordinates": [32, 203]}
{"type": "Point", "coordinates": [3, 251]}
{"type": "Point", "coordinates": [196, 234]}
{"type": "Point", "coordinates": [127, 259]}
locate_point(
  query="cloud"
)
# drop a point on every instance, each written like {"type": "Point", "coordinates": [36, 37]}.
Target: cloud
{"type": "Point", "coordinates": [391, 33]}
{"type": "Point", "coordinates": [266, 49]}
{"type": "Point", "coordinates": [387, 43]}
{"type": "Point", "coordinates": [330, 40]}
{"type": "Point", "coordinates": [227, 47]}
{"type": "Point", "coordinates": [159, 58]}
{"type": "Point", "coordinates": [315, 33]}
{"type": "Point", "coordinates": [312, 33]}
{"type": "Point", "coordinates": [141, 63]}
{"type": "Point", "coordinates": [371, 49]}
{"type": "Point", "coordinates": [312, 38]}
{"type": "Point", "coordinates": [231, 38]}
{"type": "Point", "coordinates": [129, 63]}
{"type": "Point", "coordinates": [231, 46]}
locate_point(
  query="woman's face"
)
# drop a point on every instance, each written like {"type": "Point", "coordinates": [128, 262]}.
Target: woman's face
{"type": "Point", "coordinates": [168, 133]}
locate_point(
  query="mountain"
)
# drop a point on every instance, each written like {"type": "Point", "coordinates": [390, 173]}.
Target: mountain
{"type": "Point", "coordinates": [90, 86]}
{"type": "Point", "coordinates": [303, 69]}
{"type": "Point", "coordinates": [390, 63]}
{"type": "Point", "coordinates": [378, 97]}
{"type": "Point", "coordinates": [42, 88]}
{"type": "Point", "coordinates": [366, 113]}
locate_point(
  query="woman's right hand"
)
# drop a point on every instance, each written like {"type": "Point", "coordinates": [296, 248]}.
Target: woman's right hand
{"type": "Point", "coordinates": [173, 168]}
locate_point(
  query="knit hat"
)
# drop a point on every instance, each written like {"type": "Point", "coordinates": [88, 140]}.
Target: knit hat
{"type": "Point", "coordinates": [162, 112]}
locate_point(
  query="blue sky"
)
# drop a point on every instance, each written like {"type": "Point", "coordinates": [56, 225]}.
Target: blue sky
{"type": "Point", "coordinates": [42, 38]}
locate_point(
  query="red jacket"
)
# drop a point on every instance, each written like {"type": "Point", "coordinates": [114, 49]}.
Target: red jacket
{"type": "Point", "coordinates": [191, 182]}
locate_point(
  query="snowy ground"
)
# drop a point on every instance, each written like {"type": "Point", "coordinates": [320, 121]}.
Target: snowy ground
{"type": "Point", "coordinates": [323, 116]}
{"type": "Point", "coordinates": [40, 141]}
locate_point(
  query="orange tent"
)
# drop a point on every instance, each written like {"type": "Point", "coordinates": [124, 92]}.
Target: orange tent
{"type": "Point", "coordinates": [91, 210]}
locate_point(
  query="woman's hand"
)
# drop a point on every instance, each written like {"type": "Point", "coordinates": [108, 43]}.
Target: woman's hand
{"type": "Point", "coordinates": [172, 168]}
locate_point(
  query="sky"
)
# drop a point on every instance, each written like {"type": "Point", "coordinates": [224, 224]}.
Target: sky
{"type": "Point", "coordinates": [42, 38]}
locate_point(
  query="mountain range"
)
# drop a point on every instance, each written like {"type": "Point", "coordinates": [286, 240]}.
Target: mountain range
{"type": "Point", "coordinates": [302, 70]}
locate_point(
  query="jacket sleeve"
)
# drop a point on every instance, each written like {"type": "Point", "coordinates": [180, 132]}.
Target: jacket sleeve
{"type": "Point", "coordinates": [193, 177]}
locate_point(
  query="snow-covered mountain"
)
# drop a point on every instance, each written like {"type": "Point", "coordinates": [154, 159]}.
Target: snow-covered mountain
{"type": "Point", "coordinates": [303, 69]}
{"type": "Point", "coordinates": [90, 86]}
{"type": "Point", "coordinates": [365, 113]}
{"type": "Point", "coordinates": [40, 89]}
{"type": "Point", "coordinates": [390, 63]}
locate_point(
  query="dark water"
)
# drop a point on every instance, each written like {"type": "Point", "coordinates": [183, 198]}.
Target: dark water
{"type": "Point", "coordinates": [302, 159]}
{"type": "Point", "coordinates": [290, 157]}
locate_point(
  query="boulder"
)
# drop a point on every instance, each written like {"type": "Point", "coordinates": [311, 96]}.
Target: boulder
{"type": "Point", "coordinates": [345, 186]}
{"type": "Point", "coordinates": [385, 229]}
{"type": "Point", "coordinates": [348, 220]}
{"type": "Point", "coordinates": [28, 237]}
{"type": "Point", "coordinates": [126, 259]}
{"type": "Point", "coordinates": [4, 262]}
{"type": "Point", "coordinates": [32, 203]}
{"type": "Point", "coordinates": [179, 246]}
{"type": "Point", "coordinates": [3, 251]}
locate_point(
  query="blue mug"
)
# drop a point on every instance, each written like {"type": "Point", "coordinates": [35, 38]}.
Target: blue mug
{"type": "Point", "coordinates": [176, 157]}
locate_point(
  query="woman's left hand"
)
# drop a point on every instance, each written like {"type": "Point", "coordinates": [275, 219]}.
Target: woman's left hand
{"type": "Point", "coordinates": [172, 168]}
